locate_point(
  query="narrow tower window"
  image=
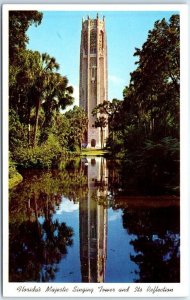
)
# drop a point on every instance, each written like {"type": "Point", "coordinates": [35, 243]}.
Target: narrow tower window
{"type": "Point", "coordinates": [101, 40]}
{"type": "Point", "coordinates": [85, 42]}
{"type": "Point", "coordinates": [93, 73]}
{"type": "Point", "coordinates": [93, 42]}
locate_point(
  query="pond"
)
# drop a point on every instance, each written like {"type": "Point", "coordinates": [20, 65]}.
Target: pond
{"type": "Point", "coordinates": [81, 224]}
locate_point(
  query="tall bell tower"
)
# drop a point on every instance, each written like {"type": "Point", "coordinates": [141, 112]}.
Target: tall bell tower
{"type": "Point", "coordinates": [93, 75]}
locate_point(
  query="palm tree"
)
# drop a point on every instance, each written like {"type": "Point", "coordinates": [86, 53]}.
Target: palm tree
{"type": "Point", "coordinates": [58, 95]}
{"type": "Point", "coordinates": [102, 123]}
{"type": "Point", "coordinates": [50, 90]}
{"type": "Point", "coordinates": [47, 65]}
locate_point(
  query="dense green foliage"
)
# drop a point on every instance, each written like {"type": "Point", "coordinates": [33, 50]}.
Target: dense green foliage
{"type": "Point", "coordinates": [39, 134]}
{"type": "Point", "coordinates": [150, 109]}
{"type": "Point", "coordinates": [77, 125]}
{"type": "Point", "coordinates": [152, 98]}
{"type": "Point", "coordinates": [107, 113]}
{"type": "Point", "coordinates": [19, 22]}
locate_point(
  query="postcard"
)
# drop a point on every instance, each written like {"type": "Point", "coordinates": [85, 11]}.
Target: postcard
{"type": "Point", "coordinates": [95, 123]}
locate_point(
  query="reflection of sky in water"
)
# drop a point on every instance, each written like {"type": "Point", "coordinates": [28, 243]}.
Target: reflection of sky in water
{"type": "Point", "coordinates": [115, 216]}
{"type": "Point", "coordinates": [174, 238]}
{"type": "Point", "coordinates": [68, 269]}
{"type": "Point", "coordinates": [69, 266]}
{"type": "Point", "coordinates": [41, 219]}
{"type": "Point", "coordinates": [119, 267]}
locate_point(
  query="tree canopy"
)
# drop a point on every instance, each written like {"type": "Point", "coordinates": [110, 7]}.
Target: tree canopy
{"type": "Point", "coordinates": [19, 22]}
{"type": "Point", "coordinates": [153, 94]}
{"type": "Point", "coordinates": [150, 109]}
{"type": "Point", "coordinates": [37, 91]}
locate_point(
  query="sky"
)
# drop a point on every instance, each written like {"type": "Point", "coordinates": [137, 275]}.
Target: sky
{"type": "Point", "coordinates": [60, 32]}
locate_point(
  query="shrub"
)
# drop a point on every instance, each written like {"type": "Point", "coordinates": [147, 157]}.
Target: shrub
{"type": "Point", "coordinates": [14, 176]}
{"type": "Point", "coordinates": [17, 131]}
{"type": "Point", "coordinates": [46, 155]}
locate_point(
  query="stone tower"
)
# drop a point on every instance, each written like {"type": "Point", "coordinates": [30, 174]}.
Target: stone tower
{"type": "Point", "coordinates": [93, 75]}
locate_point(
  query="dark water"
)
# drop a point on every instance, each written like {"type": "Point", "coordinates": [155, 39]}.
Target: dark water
{"type": "Point", "coordinates": [79, 225]}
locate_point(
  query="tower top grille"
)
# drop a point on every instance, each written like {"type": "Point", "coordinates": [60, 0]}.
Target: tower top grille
{"type": "Point", "coordinates": [93, 20]}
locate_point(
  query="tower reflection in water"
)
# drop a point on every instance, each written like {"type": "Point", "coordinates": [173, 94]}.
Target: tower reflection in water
{"type": "Point", "coordinates": [93, 221]}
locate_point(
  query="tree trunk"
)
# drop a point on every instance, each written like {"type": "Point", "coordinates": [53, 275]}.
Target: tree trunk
{"type": "Point", "coordinates": [36, 122]}
{"type": "Point", "coordinates": [28, 126]}
{"type": "Point", "coordinates": [101, 137]}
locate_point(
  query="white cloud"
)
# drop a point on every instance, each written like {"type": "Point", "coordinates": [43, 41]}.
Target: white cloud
{"type": "Point", "coordinates": [67, 206]}
{"type": "Point", "coordinates": [115, 216]}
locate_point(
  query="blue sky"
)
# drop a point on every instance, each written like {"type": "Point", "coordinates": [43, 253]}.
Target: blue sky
{"type": "Point", "coordinates": [59, 36]}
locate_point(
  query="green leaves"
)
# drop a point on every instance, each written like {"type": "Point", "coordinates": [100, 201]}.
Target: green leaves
{"type": "Point", "coordinates": [148, 124]}
{"type": "Point", "coordinates": [153, 93]}
{"type": "Point", "coordinates": [78, 122]}
{"type": "Point", "coordinates": [19, 22]}
{"type": "Point", "coordinates": [36, 88]}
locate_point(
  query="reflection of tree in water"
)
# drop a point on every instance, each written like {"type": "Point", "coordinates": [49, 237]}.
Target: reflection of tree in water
{"type": "Point", "coordinates": [143, 177]}
{"type": "Point", "coordinates": [41, 192]}
{"type": "Point", "coordinates": [37, 242]}
{"type": "Point", "coordinates": [36, 248]}
{"type": "Point", "coordinates": [157, 243]}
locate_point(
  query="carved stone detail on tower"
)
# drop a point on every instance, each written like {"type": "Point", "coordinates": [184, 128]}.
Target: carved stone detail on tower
{"type": "Point", "coordinates": [101, 41]}
{"type": "Point", "coordinates": [93, 41]}
{"type": "Point", "coordinates": [85, 42]}
{"type": "Point", "coordinates": [93, 23]}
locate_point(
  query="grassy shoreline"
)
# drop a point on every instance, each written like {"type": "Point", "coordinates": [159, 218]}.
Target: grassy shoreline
{"type": "Point", "coordinates": [15, 179]}
{"type": "Point", "coordinates": [93, 152]}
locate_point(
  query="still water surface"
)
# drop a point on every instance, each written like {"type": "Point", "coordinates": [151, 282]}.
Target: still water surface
{"type": "Point", "coordinates": [78, 225]}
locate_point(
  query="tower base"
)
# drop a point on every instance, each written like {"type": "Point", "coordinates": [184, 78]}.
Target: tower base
{"type": "Point", "coordinates": [94, 138]}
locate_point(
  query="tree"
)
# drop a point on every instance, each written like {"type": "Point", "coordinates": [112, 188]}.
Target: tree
{"type": "Point", "coordinates": [38, 86]}
{"type": "Point", "coordinates": [21, 81]}
{"type": "Point", "coordinates": [19, 22]}
{"type": "Point", "coordinates": [111, 110]}
{"type": "Point", "coordinates": [21, 60]}
{"type": "Point", "coordinates": [59, 96]}
{"type": "Point", "coordinates": [78, 121]}
{"type": "Point", "coordinates": [101, 121]}
{"type": "Point", "coordinates": [150, 110]}
{"type": "Point", "coordinates": [156, 104]}
{"type": "Point", "coordinates": [109, 114]}
{"type": "Point", "coordinates": [50, 90]}
{"type": "Point", "coordinates": [34, 83]}
{"type": "Point", "coordinates": [47, 65]}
